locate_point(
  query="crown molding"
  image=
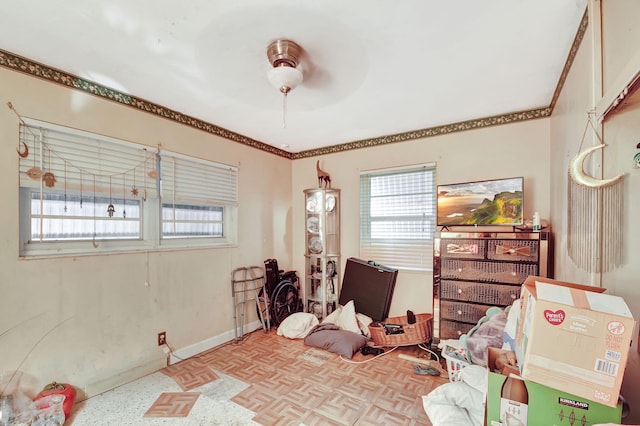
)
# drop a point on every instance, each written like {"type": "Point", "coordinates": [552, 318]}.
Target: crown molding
{"type": "Point", "coordinates": [53, 75]}
{"type": "Point", "coordinates": [582, 29]}
{"type": "Point", "coordinates": [429, 132]}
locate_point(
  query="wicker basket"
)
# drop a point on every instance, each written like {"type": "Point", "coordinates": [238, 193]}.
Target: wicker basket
{"type": "Point", "coordinates": [412, 334]}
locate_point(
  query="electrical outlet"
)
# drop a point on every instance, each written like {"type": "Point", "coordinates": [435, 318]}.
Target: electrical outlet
{"type": "Point", "coordinates": [162, 338]}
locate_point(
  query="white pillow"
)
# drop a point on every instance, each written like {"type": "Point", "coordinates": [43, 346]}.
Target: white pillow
{"type": "Point", "coordinates": [363, 323]}
{"type": "Point", "coordinates": [347, 319]}
{"type": "Point", "coordinates": [297, 325]}
{"type": "Point", "coordinates": [332, 318]}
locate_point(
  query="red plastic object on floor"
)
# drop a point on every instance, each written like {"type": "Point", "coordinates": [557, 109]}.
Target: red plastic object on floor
{"type": "Point", "coordinates": [65, 389]}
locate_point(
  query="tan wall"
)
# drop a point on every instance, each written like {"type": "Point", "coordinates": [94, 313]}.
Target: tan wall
{"type": "Point", "coordinates": [621, 41]}
{"type": "Point", "coordinates": [110, 318]}
{"type": "Point", "coordinates": [568, 123]}
{"type": "Point", "coordinates": [504, 151]}
{"type": "Point", "coordinates": [620, 132]}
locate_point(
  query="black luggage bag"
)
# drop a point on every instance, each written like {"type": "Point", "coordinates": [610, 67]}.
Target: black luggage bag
{"type": "Point", "coordinates": [370, 286]}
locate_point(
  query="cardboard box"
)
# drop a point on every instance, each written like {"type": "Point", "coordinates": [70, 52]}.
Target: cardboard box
{"type": "Point", "coordinates": [573, 338]}
{"type": "Point", "coordinates": [548, 406]}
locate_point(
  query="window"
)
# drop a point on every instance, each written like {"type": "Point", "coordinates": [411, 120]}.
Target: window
{"type": "Point", "coordinates": [184, 220]}
{"type": "Point", "coordinates": [68, 217]}
{"type": "Point", "coordinates": [77, 187]}
{"type": "Point", "coordinates": [197, 197]}
{"type": "Point", "coordinates": [397, 216]}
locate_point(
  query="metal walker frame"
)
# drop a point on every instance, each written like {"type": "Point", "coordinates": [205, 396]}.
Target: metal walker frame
{"type": "Point", "coordinates": [247, 285]}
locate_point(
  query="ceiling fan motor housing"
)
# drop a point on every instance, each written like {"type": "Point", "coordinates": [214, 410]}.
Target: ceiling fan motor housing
{"type": "Point", "coordinates": [284, 53]}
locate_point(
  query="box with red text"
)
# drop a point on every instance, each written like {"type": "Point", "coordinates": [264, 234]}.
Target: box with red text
{"type": "Point", "coordinates": [574, 338]}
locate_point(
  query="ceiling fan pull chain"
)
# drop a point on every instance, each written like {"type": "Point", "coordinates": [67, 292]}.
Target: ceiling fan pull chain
{"type": "Point", "coordinates": [284, 111]}
{"type": "Point", "coordinates": [284, 75]}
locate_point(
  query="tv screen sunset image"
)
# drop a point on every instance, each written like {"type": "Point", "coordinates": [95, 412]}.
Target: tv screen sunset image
{"type": "Point", "coordinates": [491, 202]}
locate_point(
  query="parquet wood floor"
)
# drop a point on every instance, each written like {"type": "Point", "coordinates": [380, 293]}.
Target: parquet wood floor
{"type": "Point", "coordinates": [190, 374]}
{"type": "Point", "coordinates": [173, 404]}
{"type": "Point", "coordinates": [289, 388]}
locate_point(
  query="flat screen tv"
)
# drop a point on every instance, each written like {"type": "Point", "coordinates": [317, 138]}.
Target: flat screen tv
{"type": "Point", "coordinates": [487, 202]}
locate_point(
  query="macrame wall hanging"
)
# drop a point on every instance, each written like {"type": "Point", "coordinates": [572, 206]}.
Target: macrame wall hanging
{"type": "Point", "coordinates": [595, 214]}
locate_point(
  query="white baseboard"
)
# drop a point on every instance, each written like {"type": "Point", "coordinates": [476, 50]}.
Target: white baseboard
{"type": "Point", "coordinates": [158, 363]}
{"type": "Point", "coordinates": [191, 350]}
{"type": "Point", "coordinates": [122, 378]}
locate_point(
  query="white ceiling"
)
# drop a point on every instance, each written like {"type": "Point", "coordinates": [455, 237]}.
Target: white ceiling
{"type": "Point", "coordinates": [371, 67]}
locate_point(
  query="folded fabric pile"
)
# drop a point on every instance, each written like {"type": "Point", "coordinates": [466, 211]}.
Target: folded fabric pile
{"type": "Point", "coordinates": [459, 403]}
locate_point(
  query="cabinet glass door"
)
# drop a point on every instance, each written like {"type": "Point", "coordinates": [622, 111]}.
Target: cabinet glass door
{"type": "Point", "coordinates": [322, 250]}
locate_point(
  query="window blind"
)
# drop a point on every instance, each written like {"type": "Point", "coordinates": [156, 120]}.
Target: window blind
{"type": "Point", "coordinates": [75, 186]}
{"type": "Point", "coordinates": [189, 180]}
{"type": "Point", "coordinates": [65, 159]}
{"type": "Point", "coordinates": [397, 216]}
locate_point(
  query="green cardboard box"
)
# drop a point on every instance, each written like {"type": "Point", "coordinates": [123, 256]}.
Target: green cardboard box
{"type": "Point", "coordinates": [547, 406]}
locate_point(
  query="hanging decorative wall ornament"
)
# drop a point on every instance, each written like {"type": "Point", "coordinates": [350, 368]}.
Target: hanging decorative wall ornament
{"type": "Point", "coordinates": [49, 179]}
{"type": "Point", "coordinates": [576, 171]}
{"type": "Point", "coordinates": [594, 219]}
{"type": "Point", "coordinates": [134, 189]}
{"type": "Point", "coordinates": [23, 153]}
{"type": "Point", "coordinates": [152, 173]}
{"type": "Point", "coordinates": [65, 186]}
{"type": "Point", "coordinates": [144, 176]}
{"type": "Point", "coordinates": [23, 149]}
{"type": "Point", "coordinates": [35, 172]}
{"type": "Point", "coordinates": [110, 209]}
{"type": "Point", "coordinates": [124, 195]}
{"type": "Point", "coordinates": [95, 244]}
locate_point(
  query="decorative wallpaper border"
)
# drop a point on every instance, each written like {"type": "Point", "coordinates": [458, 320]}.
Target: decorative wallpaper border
{"type": "Point", "coordinates": [582, 29]}
{"type": "Point", "coordinates": [35, 69]}
{"type": "Point", "coordinates": [432, 131]}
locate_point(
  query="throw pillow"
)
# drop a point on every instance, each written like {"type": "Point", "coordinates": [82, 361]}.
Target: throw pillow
{"type": "Point", "coordinates": [347, 319]}
{"type": "Point", "coordinates": [331, 338]}
{"type": "Point", "coordinates": [297, 325]}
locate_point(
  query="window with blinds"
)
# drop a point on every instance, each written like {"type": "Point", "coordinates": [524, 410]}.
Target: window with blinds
{"type": "Point", "coordinates": [397, 216]}
{"type": "Point", "coordinates": [77, 186]}
{"type": "Point", "coordinates": [194, 196]}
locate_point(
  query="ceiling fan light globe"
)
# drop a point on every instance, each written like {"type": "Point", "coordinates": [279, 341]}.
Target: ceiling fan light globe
{"type": "Point", "coordinates": [284, 78]}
